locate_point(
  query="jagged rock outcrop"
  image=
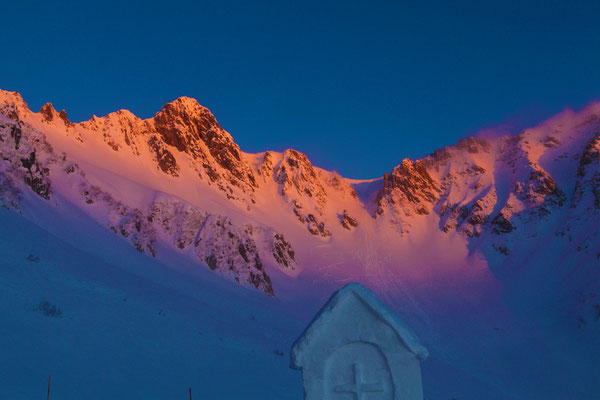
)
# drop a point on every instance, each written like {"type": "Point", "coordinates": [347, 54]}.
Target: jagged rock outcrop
{"type": "Point", "coordinates": [467, 198]}
{"type": "Point", "coordinates": [347, 221]}
{"type": "Point", "coordinates": [410, 187]}
{"type": "Point", "coordinates": [36, 176]}
{"type": "Point", "coordinates": [192, 129]}
{"type": "Point", "coordinates": [533, 189]}
{"type": "Point", "coordinates": [468, 218]}
{"type": "Point", "coordinates": [265, 169]}
{"type": "Point", "coordinates": [164, 157]}
{"type": "Point", "coordinates": [28, 157]}
{"type": "Point", "coordinates": [283, 252]}
{"type": "Point", "coordinates": [587, 187]}
{"type": "Point", "coordinates": [408, 191]}
{"type": "Point", "coordinates": [297, 177]}
{"type": "Point", "coordinates": [13, 106]}
{"type": "Point", "coordinates": [214, 239]}
{"type": "Point", "coordinates": [51, 115]}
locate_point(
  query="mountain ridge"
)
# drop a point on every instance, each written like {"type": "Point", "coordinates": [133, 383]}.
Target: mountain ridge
{"type": "Point", "coordinates": [178, 178]}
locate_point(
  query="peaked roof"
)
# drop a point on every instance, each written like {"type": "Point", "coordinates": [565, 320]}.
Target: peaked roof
{"type": "Point", "coordinates": [407, 336]}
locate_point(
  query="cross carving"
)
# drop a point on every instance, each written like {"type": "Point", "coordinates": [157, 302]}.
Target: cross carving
{"type": "Point", "coordinates": [359, 387]}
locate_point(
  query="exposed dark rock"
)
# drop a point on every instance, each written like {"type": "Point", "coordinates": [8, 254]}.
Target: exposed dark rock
{"type": "Point", "coordinates": [63, 115]}
{"type": "Point", "coordinates": [266, 167]}
{"type": "Point", "coordinates": [502, 249]}
{"type": "Point", "coordinates": [316, 227]}
{"type": "Point", "coordinates": [551, 142]}
{"type": "Point", "coordinates": [16, 133]}
{"type": "Point", "coordinates": [542, 184]}
{"type": "Point", "coordinates": [243, 252]}
{"type": "Point", "coordinates": [313, 228]}
{"type": "Point", "coordinates": [184, 121]}
{"type": "Point", "coordinates": [409, 182]}
{"type": "Point", "coordinates": [295, 175]}
{"type": "Point", "coordinates": [48, 112]}
{"type": "Point", "coordinates": [591, 154]}
{"type": "Point", "coordinates": [211, 260]}
{"type": "Point", "coordinates": [588, 174]}
{"type": "Point", "coordinates": [193, 129]}
{"type": "Point", "coordinates": [283, 252]}
{"type": "Point", "coordinates": [166, 161]}
{"type": "Point", "coordinates": [500, 224]}
{"type": "Point", "coordinates": [347, 221]}
{"type": "Point", "coordinates": [37, 177]}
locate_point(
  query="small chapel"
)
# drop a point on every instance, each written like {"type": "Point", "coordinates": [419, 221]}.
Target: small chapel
{"type": "Point", "coordinates": [356, 348]}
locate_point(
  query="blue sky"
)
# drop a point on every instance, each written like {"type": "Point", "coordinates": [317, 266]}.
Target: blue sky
{"type": "Point", "coordinates": [356, 85]}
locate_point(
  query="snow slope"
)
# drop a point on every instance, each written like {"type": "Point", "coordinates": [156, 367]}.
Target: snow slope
{"type": "Point", "coordinates": [488, 249]}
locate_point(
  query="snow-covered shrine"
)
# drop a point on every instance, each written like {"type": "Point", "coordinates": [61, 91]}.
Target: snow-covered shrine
{"type": "Point", "coordinates": [357, 348]}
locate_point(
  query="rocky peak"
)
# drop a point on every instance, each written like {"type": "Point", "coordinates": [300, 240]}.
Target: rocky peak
{"type": "Point", "coordinates": [26, 157]}
{"type": "Point", "coordinates": [193, 129]}
{"type": "Point", "coordinates": [412, 180]}
{"type": "Point", "coordinates": [408, 191]}
{"type": "Point", "coordinates": [49, 113]}
{"type": "Point", "coordinates": [296, 159]}
{"type": "Point", "coordinates": [12, 105]}
{"type": "Point", "coordinates": [183, 121]}
{"type": "Point", "coordinates": [298, 179]}
{"type": "Point", "coordinates": [295, 173]}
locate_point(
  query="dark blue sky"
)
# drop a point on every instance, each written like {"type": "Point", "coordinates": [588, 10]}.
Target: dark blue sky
{"type": "Point", "coordinates": [355, 85]}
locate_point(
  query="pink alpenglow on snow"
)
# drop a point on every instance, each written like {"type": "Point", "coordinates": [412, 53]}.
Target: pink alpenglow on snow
{"type": "Point", "coordinates": [487, 249]}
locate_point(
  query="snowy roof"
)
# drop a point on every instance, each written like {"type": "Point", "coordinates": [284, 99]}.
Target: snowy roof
{"type": "Point", "coordinates": [320, 321]}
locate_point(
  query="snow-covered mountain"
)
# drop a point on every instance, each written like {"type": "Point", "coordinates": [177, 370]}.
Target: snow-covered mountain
{"type": "Point", "coordinates": [504, 224]}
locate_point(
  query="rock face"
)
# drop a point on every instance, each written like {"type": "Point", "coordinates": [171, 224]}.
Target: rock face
{"type": "Point", "coordinates": [587, 187]}
{"type": "Point", "coordinates": [297, 177]}
{"type": "Point", "coordinates": [244, 215]}
{"type": "Point", "coordinates": [408, 191]}
{"type": "Point", "coordinates": [27, 158]}
{"type": "Point", "coordinates": [216, 241]}
{"type": "Point", "coordinates": [410, 185]}
{"type": "Point", "coordinates": [283, 252]}
{"type": "Point", "coordinates": [305, 188]}
{"type": "Point", "coordinates": [192, 129]}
